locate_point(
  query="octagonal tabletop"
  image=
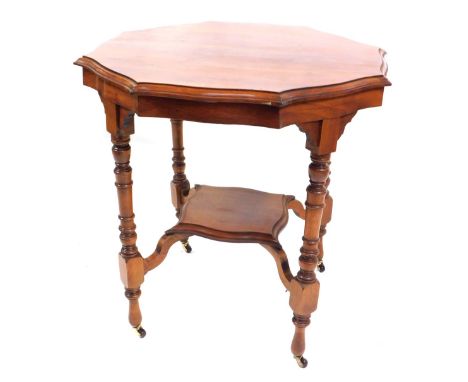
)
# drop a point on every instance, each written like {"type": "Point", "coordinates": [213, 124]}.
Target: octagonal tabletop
{"type": "Point", "coordinates": [238, 62]}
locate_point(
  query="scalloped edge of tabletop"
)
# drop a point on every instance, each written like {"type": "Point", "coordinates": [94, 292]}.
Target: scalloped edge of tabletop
{"type": "Point", "coordinates": [237, 95]}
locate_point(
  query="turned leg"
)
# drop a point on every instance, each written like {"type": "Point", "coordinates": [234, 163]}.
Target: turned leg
{"type": "Point", "coordinates": [305, 286]}
{"type": "Point", "coordinates": [180, 185]}
{"type": "Point", "coordinates": [322, 137]}
{"type": "Point", "coordinates": [120, 125]}
{"type": "Point", "coordinates": [326, 218]}
{"type": "Point", "coordinates": [299, 210]}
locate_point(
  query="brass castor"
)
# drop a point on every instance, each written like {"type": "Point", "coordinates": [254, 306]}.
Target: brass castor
{"type": "Point", "coordinates": [301, 361]}
{"type": "Point", "coordinates": [321, 267]}
{"type": "Point", "coordinates": [140, 331]}
{"type": "Point", "coordinates": [186, 245]}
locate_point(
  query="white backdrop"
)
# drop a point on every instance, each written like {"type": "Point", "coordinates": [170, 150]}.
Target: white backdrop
{"type": "Point", "coordinates": [393, 299]}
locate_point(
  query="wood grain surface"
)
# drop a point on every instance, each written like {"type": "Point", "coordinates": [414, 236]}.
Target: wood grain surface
{"type": "Point", "coordinates": [237, 62]}
{"type": "Point", "coordinates": [233, 214]}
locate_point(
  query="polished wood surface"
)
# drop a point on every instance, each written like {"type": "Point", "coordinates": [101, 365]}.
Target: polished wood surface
{"type": "Point", "coordinates": [120, 124]}
{"type": "Point", "coordinates": [180, 185]}
{"type": "Point", "coordinates": [234, 214]}
{"type": "Point", "coordinates": [280, 76]}
{"type": "Point", "coordinates": [266, 114]}
{"type": "Point", "coordinates": [228, 73]}
{"type": "Point", "coordinates": [238, 62]}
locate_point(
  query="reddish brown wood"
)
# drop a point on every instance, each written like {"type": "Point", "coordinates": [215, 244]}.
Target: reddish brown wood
{"type": "Point", "coordinates": [233, 214]}
{"type": "Point", "coordinates": [276, 77]}
{"type": "Point", "coordinates": [282, 264]}
{"type": "Point", "coordinates": [160, 253]}
{"type": "Point", "coordinates": [321, 140]}
{"type": "Point", "coordinates": [268, 115]}
{"type": "Point", "coordinates": [180, 186]}
{"type": "Point", "coordinates": [297, 207]}
{"type": "Point", "coordinates": [235, 74]}
{"type": "Point", "coordinates": [326, 218]}
{"type": "Point", "coordinates": [238, 62]}
{"type": "Point", "coordinates": [305, 286]}
{"type": "Point", "coordinates": [120, 125]}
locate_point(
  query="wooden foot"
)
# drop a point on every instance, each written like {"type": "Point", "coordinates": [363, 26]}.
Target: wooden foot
{"type": "Point", "coordinates": [134, 314]}
{"type": "Point", "coordinates": [298, 343]}
{"type": "Point", "coordinates": [303, 300]}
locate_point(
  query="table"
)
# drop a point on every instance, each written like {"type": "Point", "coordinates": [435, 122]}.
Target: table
{"type": "Point", "coordinates": [229, 73]}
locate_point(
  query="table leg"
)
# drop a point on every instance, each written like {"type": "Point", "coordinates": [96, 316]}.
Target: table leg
{"type": "Point", "coordinates": [326, 218]}
{"type": "Point", "coordinates": [299, 210]}
{"type": "Point", "coordinates": [305, 286]}
{"type": "Point", "coordinates": [322, 137]}
{"type": "Point", "coordinates": [180, 185]}
{"type": "Point", "coordinates": [120, 125]}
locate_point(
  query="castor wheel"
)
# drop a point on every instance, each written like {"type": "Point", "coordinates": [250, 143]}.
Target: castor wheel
{"type": "Point", "coordinates": [301, 361]}
{"type": "Point", "coordinates": [186, 245]}
{"type": "Point", "coordinates": [321, 267]}
{"type": "Point", "coordinates": [140, 331]}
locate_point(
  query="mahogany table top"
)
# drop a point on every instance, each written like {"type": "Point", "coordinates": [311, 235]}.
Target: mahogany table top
{"type": "Point", "coordinates": [231, 62]}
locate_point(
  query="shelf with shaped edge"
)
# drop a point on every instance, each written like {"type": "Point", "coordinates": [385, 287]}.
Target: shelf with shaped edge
{"type": "Point", "coordinates": [233, 214]}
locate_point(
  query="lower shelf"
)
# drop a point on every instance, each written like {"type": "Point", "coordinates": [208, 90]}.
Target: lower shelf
{"type": "Point", "coordinates": [233, 214]}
